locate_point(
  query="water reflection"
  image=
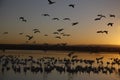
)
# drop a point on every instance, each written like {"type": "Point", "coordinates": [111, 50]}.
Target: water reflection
{"type": "Point", "coordinates": [63, 64]}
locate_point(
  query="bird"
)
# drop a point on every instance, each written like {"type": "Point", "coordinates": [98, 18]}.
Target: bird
{"type": "Point", "coordinates": [59, 30]}
{"type": "Point", "coordinates": [55, 19]}
{"type": "Point", "coordinates": [20, 33]}
{"type": "Point", "coordinates": [111, 15]}
{"type": "Point", "coordinates": [29, 37]}
{"type": "Point", "coordinates": [50, 2]}
{"type": "Point", "coordinates": [55, 33]}
{"type": "Point", "coordinates": [58, 37]}
{"type": "Point", "coordinates": [5, 33]}
{"type": "Point", "coordinates": [102, 31]}
{"type": "Point", "coordinates": [23, 19]}
{"type": "Point", "coordinates": [96, 19]}
{"type": "Point", "coordinates": [74, 23]}
{"type": "Point", "coordinates": [100, 15]}
{"type": "Point", "coordinates": [71, 5]}
{"type": "Point", "coordinates": [37, 31]}
{"type": "Point", "coordinates": [66, 19]}
{"type": "Point", "coordinates": [110, 24]}
{"type": "Point", "coordinates": [99, 31]}
{"type": "Point", "coordinates": [66, 34]}
{"type": "Point", "coordinates": [45, 35]}
{"type": "Point", "coordinates": [45, 15]}
{"type": "Point", "coordinates": [105, 32]}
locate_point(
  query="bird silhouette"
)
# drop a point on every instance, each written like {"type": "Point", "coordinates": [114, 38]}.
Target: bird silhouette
{"type": "Point", "coordinates": [50, 2]}
{"type": "Point", "coordinates": [55, 33]}
{"type": "Point", "coordinates": [36, 31]}
{"type": "Point", "coordinates": [103, 31]}
{"type": "Point", "coordinates": [66, 19]}
{"type": "Point", "coordinates": [59, 30]}
{"type": "Point", "coordinates": [55, 18]}
{"type": "Point", "coordinates": [111, 15]}
{"type": "Point", "coordinates": [23, 19]}
{"type": "Point", "coordinates": [110, 24]}
{"type": "Point", "coordinates": [5, 32]}
{"type": "Point", "coordinates": [96, 19]}
{"type": "Point", "coordinates": [29, 37]}
{"type": "Point", "coordinates": [66, 34]}
{"type": "Point", "coordinates": [58, 37]}
{"type": "Point", "coordinates": [75, 23]}
{"type": "Point", "coordinates": [45, 35]}
{"type": "Point", "coordinates": [45, 15]}
{"type": "Point", "coordinates": [71, 5]}
{"type": "Point", "coordinates": [101, 16]}
{"type": "Point", "coordinates": [20, 33]}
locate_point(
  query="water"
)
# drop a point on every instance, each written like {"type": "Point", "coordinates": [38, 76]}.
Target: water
{"type": "Point", "coordinates": [105, 66]}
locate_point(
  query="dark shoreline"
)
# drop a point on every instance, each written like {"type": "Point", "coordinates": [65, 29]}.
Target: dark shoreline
{"type": "Point", "coordinates": [45, 47]}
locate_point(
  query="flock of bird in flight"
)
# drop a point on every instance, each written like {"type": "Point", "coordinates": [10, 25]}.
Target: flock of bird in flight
{"type": "Point", "coordinates": [100, 16]}
{"type": "Point", "coordinates": [59, 32]}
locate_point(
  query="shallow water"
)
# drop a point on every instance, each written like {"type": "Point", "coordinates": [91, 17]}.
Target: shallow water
{"type": "Point", "coordinates": [57, 59]}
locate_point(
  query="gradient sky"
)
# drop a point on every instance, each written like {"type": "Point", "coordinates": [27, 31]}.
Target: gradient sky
{"type": "Point", "coordinates": [85, 12]}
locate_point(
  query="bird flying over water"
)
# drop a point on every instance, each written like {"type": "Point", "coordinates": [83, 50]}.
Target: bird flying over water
{"type": "Point", "coordinates": [58, 37]}
{"type": "Point", "coordinates": [111, 15]}
{"type": "Point", "coordinates": [110, 24]}
{"type": "Point", "coordinates": [36, 30]}
{"type": "Point", "coordinates": [101, 16]}
{"type": "Point", "coordinates": [50, 2]}
{"type": "Point", "coordinates": [23, 19]}
{"type": "Point", "coordinates": [66, 19]}
{"type": "Point", "coordinates": [45, 15]}
{"type": "Point", "coordinates": [59, 30]}
{"type": "Point", "coordinates": [5, 33]}
{"type": "Point", "coordinates": [103, 31]}
{"type": "Point", "coordinates": [71, 5]}
{"type": "Point", "coordinates": [55, 18]}
{"type": "Point", "coordinates": [55, 33]}
{"type": "Point", "coordinates": [29, 37]}
{"type": "Point", "coordinates": [75, 23]}
{"type": "Point", "coordinates": [96, 19]}
{"type": "Point", "coordinates": [20, 33]}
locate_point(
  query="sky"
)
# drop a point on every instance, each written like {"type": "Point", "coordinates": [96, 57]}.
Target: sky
{"type": "Point", "coordinates": [84, 12]}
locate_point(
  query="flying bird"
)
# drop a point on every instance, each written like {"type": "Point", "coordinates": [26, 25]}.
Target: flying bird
{"type": "Point", "coordinates": [29, 37]}
{"type": "Point", "coordinates": [111, 15]}
{"type": "Point", "coordinates": [36, 31]}
{"type": "Point", "coordinates": [96, 19]}
{"type": "Point", "coordinates": [20, 33]}
{"type": "Point", "coordinates": [50, 2]}
{"type": "Point", "coordinates": [55, 33]}
{"type": "Point", "coordinates": [23, 19]}
{"type": "Point", "coordinates": [66, 19]}
{"type": "Point", "coordinates": [103, 31]}
{"type": "Point", "coordinates": [5, 33]}
{"type": "Point", "coordinates": [101, 16]}
{"type": "Point", "coordinates": [110, 24]}
{"type": "Point", "coordinates": [55, 19]}
{"type": "Point", "coordinates": [45, 35]}
{"type": "Point", "coordinates": [59, 30]}
{"type": "Point", "coordinates": [75, 23]}
{"type": "Point", "coordinates": [71, 5]}
{"type": "Point", "coordinates": [58, 37]}
{"type": "Point", "coordinates": [45, 15]}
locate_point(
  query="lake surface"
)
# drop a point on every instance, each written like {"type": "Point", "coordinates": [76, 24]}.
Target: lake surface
{"type": "Point", "coordinates": [58, 65]}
